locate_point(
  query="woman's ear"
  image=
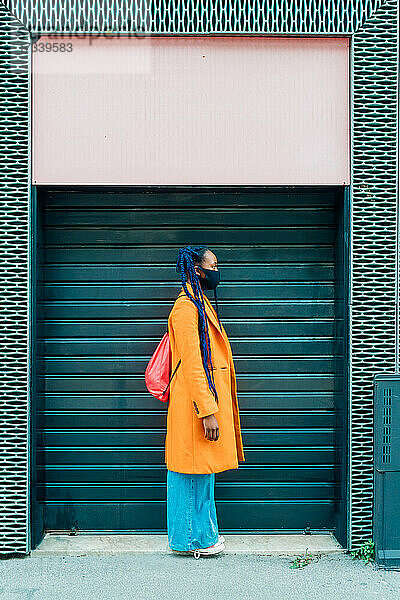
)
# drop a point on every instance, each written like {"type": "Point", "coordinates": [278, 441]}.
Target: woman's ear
{"type": "Point", "coordinates": [197, 271]}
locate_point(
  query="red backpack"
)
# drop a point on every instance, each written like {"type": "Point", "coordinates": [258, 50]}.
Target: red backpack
{"type": "Point", "coordinates": [157, 374]}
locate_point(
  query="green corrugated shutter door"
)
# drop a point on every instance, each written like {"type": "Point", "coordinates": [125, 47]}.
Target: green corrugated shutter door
{"type": "Point", "coordinates": [109, 282]}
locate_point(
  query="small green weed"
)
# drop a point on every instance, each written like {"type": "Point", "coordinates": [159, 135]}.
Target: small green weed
{"type": "Point", "coordinates": [366, 552]}
{"type": "Point", "coordinates": [302, 561]}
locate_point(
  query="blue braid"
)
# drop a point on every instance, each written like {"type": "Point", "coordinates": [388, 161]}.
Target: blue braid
{"type": "Point", "coordinates": [187, 257]}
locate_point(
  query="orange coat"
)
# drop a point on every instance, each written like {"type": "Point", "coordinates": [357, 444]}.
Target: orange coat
{"type": "Point", "coordinates": [186, 448]}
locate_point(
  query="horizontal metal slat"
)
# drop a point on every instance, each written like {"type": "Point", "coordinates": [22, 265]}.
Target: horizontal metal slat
{"type": "Point", "coordinates": [59, 200]}
{"type": "Point", "coordinates": [112, 455]}
{"type": "Point", "coordinates": [178, 238]}
{"type": "Point", "coordinates": [248, 474]}
{"type": "Point", "coordinates": [123, 491]}
{"type": "Point", "coordinates": [179, 218]}
{"type": "Point", "coordinates": [150, 419]}
{"type": "Point", "coordinates": [118, 348]}
{"type": "Point", "coordinates": [133, 365]}
{"type": "Point", "coordinates": [146, 255]}
{"type": "Point", "coordinates": [123, 383]}
{"type": "Point", "coordinates": [126, 308]}
{"type": "Point", "coordinates": [249, 329]}
{"type": "Point", "coordinates": [156, 438]}
{"type": "Point", "coordinates": [308, 401]}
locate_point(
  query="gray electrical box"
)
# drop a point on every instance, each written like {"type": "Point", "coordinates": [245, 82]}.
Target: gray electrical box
{"type": "Point", "coordinates": [386, 513]}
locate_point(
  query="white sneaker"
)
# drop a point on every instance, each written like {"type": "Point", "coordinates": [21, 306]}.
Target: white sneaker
{"type": "Point", "coordinates": [209, 551]}
{"type": "Point", "coordinates": [221, 539]}
{"type": "Point", "coordinates": [214, 549]}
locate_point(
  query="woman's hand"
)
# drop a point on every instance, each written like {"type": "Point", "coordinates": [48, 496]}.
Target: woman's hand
{"type": "Point", "coordinates": [211, 428]}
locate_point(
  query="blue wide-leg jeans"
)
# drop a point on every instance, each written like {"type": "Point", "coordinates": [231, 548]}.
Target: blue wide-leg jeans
{"type": "Point", "coordinates": [191, 512]}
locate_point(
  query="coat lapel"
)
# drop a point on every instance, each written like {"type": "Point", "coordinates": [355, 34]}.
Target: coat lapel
{"type": "Point", "coordinates": [212, 315]}
{"type": "Point", "coordinates": [210, 311]}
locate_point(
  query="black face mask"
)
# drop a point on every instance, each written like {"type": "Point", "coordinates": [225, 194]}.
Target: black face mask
{"type": "Point", "coordinates": [211, 279]}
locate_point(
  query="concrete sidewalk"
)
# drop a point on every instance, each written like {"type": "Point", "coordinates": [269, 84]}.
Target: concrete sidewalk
{"type": "Point", "coordinates": [94, 544]}
{"type": "Point", "coordinates": [167, 576]}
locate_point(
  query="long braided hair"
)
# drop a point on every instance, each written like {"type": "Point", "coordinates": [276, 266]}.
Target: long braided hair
{"type": "Point", "coordinates": [187, 258]}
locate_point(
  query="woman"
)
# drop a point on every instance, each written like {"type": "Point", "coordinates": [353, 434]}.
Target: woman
{"type": "Point", "coordinates": [203, 426]}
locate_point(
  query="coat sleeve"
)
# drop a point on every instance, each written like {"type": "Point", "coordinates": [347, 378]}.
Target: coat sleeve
{"type": "Point", "coordinates": [184, 321]}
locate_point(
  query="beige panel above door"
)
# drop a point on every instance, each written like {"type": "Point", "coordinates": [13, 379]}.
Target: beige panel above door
{"type": "Point", "coordinates": [191, 111]}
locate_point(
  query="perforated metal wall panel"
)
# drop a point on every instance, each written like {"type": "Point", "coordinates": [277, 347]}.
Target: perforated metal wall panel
{"type": "Point", "coordinates": [196, 16]}
{"type": "Point", "coordinates": [374, 106]}
{"type": "Point", "coordinates": [373, 322]}
{"type": "Point", "coordinates": [14, 94]}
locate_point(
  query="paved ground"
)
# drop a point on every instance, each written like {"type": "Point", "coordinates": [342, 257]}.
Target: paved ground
{"type": "Point", "coordinates": [162, 576]}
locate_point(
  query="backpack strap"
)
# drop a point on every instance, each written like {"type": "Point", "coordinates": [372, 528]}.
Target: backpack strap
{"type": "Point", "coordinates": [180, 360]}
{"type": "Point", "coordinates": [170, 379]}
